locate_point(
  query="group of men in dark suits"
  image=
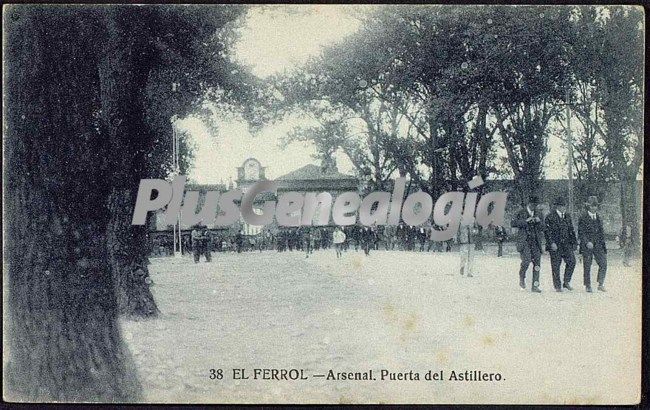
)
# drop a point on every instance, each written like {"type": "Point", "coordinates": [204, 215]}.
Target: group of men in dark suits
{"type": "Point", "coordinates": [561, 243]}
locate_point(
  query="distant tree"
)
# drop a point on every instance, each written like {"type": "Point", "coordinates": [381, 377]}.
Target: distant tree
{"type": "Point", "coordinates": [523, 66]}
{"type": "Point", "coordinates": [410, 79]}
{"type": "Point", "coordinates": [591, 167]}
{"type": "Point", "coordinates": [327, 137]}
{"type": "Point", "coordinates": [347, 115]}
{"type": "Point", "coordinates": [609, 58]}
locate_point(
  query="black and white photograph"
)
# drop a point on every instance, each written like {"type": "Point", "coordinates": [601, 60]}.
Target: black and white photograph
{"type": "Point", "coordinates": [323, 203]}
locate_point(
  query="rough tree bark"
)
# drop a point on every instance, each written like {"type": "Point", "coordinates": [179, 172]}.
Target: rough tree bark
{"type": "Point", "coordinates": [64, 342]}
{"type": "Point", "coordinates": [124, 72]}
{"type": "Point", "coordinates": [128, 258]}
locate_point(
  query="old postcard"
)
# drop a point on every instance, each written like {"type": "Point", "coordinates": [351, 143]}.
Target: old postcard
{"type": "Point", "coordinates": [315, 203]}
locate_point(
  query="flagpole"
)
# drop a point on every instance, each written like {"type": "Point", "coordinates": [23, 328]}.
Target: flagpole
{"type": "Point", "coordinates": [569, 139]}
{"type": "Point", "coordinates": [178, 239]}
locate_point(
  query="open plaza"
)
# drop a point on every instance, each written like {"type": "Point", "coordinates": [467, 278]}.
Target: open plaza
{"type": "Point", "coordinates": [396, 311]}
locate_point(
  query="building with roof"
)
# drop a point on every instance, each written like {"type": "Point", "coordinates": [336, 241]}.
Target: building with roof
{"type": "Point", "coordinates": [317, 179]}
{"type": "Point", "coordinates": [309, 178]}
{"type": "Point", "coordinates": [313, 178]}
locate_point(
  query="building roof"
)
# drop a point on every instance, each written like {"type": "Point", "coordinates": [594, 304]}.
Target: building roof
{"type": "Point", "coordinates": [205, 187]}
{"type": "Point", "coordinates": [314, 172]}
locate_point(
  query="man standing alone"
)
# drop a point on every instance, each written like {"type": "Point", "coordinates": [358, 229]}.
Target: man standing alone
{"type": "Point", "coordinates": [366, 239]}
{"type": "Point", "coordinates": [592, 244]}
{"type": "Point", "coordinates": [197, 245]}
{"type": "Point", "coordinates": [529, 241]}
{"type": "Point", "coordinates": [561, 243]}
{"type": "Point", "coordinates": [338, 239]}
{"type": "Point", "coordinates": [500, 234]}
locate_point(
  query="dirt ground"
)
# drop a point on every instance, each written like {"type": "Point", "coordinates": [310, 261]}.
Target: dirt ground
{"type": "Point", "coordinates": [394, 310]}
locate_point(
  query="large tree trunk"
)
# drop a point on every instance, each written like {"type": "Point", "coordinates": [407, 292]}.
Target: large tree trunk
{"type": "Point", "coordinates": [128, 258]}
{"type": "Point", "coordinates": [64, 341]}
{"type": "Point", "coordinates": [124, 71]}
{"type": "Point", "coordinates": [631, 207]}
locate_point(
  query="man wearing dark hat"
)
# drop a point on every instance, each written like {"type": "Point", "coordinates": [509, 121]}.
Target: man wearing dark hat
{"type": "Point", "coordinates": [529, 241]}
{"type": "Point", "coordinates": [561, 243]}
{"type": "Point", "coordinates": [592, 243]}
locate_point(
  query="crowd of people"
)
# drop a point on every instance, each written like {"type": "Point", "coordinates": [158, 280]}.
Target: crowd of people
{"type": "Point", "coordinates": [536, 232]}
{"type": "Point", "coordinates": [309, 239]}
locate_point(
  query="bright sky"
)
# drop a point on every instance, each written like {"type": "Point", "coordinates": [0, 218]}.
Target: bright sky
{"type": "Point", "coordinates": [273, 39]}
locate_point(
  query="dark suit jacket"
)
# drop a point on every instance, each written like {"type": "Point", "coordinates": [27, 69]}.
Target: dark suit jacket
{"type": "Point", "coordinates": [559, 231]}
{"type": "Point", "coordinates": [500, 233]}
{"type": "Point", "coordinates": [529, 233]}
{"type": "Point", "coordinates": [591, 231]}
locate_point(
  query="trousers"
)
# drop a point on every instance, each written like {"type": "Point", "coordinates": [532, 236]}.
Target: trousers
{"type": "Point", "coordinates": [563, 253]}
{"type": "Point", "coordinates": [530, 253]}
{"type": "Point", "coordinates": [601, 259]}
